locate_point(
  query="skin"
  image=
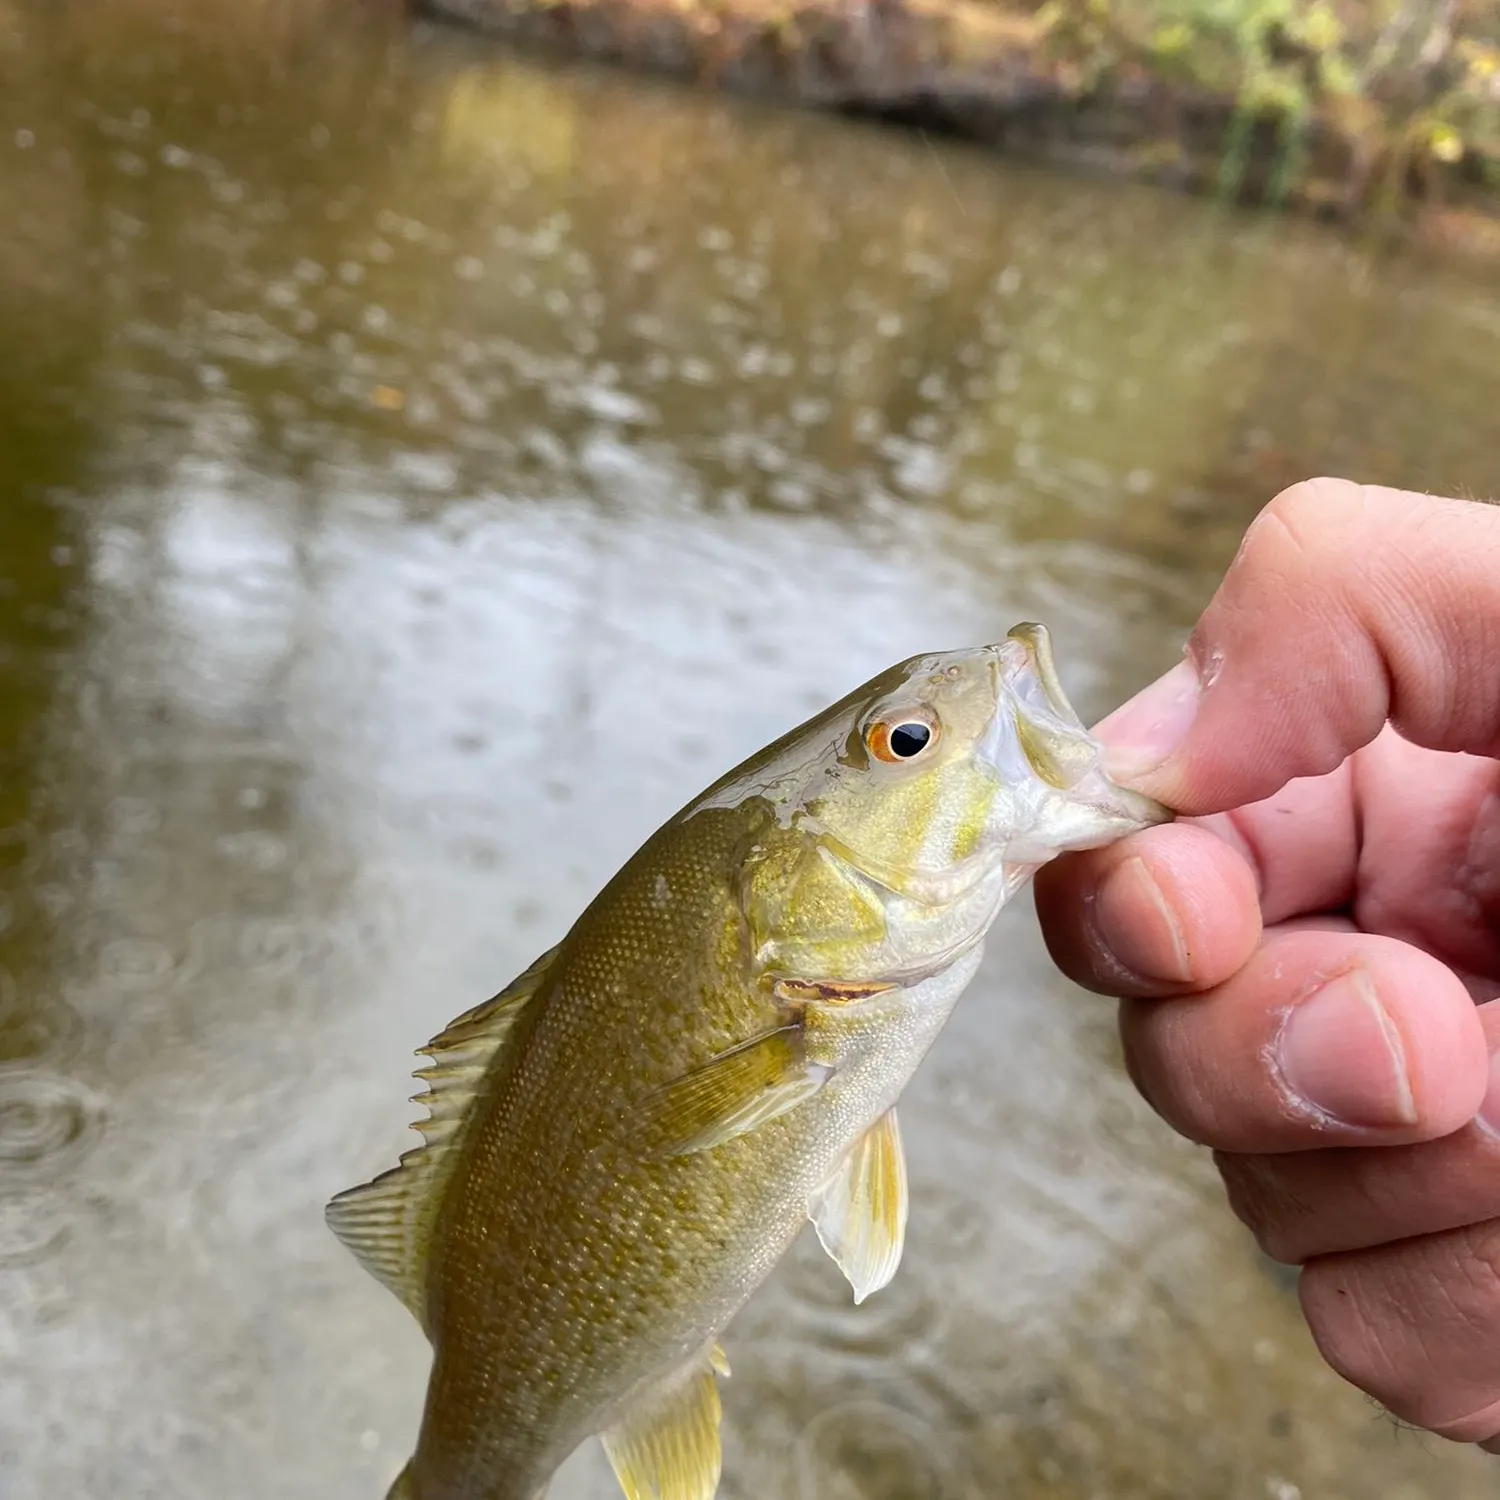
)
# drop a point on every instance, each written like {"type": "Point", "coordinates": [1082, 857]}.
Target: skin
{"type": "Point", "coordinates": [1308, 962]}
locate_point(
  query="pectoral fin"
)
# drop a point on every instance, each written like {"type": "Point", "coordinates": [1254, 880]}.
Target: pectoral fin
{"type": "Point", "coordinates": [732, 1093]}
{"type": "Point", "coordinates": [668, 1449]}
{"type": "Point", "coordinates": [860, 1212]}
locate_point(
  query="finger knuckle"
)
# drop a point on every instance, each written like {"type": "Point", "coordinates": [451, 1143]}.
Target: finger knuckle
{"type": "Point", "coordinates": [1162, 1062]}
{"type": "Point", "coordinates": [1413, 1326]}
{"type": "Point", "coordinates": [1270, 1210]}
{"type": "Point", "coordinates": [1474, 1275]}
{"type": "Point", "coordinates": [1336, 1304]}
{"type": "Point", "coordinates": [1481, 1426]}
{"type": "Point", "coordinates": [1309, 518]}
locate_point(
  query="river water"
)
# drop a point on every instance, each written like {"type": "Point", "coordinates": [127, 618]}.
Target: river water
{"type": "Point", "coordinates": [421, 470]}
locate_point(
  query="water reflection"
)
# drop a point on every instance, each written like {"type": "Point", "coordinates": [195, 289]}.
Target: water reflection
{"type": "Point", "coordinates": [423, 471]}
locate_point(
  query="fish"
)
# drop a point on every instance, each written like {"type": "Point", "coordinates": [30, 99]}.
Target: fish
{"type": "Point", "coordinates": [623, 1143]}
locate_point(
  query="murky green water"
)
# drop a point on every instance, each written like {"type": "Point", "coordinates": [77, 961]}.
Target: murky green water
{"type": "Point", "coordinates": [420, 471]}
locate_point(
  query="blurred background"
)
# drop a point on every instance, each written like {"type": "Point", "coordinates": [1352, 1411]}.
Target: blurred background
{"type": "Point", "coordinates": [422, 469]}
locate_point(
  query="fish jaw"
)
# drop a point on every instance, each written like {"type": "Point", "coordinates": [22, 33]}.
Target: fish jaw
{"type": "Point", "coordinates": [1053, 795]}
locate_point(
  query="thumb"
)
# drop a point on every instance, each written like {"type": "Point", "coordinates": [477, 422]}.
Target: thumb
{"type": "Point", "coordinates": [1347, 606]}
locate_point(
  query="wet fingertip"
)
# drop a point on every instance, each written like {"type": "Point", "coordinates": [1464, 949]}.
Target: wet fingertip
{"type": "Point", "coordinates": [1138, 926]}
{"type": "Point", "coordinates": [1454, 1090]}
{"type": "Point", "coordinates": [1144, 733]}
{"type": "Point", "coordinates": [1064, 907]}
{"type": "Point", "coordinates": [1215, 900]}
{"type": "Point", "coordinates": [1410, 1031]}
{"type": "Point", "coordinates": [1111, 924]}
{"type": "Point", "coordinates": [1442, 1034]}
{"type": "Point", "coordinates": [1339, 1054]}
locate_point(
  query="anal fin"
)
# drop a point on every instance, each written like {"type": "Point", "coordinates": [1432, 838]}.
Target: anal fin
{"type": "Point", "coordinates": [860, 1212]}
{"type": "Point", "coordinates": [387, 1223]}
{"type": "Point", "coordinates": [669, 1448]}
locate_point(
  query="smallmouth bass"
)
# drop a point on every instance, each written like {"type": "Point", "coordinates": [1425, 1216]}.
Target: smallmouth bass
{"type": "Point", "coordinates": [623, 1143]}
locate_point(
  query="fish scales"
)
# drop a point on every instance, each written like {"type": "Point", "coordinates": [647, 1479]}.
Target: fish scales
{"type": "Point", "coordinates": [658, 1253]}
{"type": "Point", "coordinates": [624, 1143]}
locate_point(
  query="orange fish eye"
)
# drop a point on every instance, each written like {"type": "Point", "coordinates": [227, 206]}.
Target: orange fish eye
{"type": "Point", "coordinates": [903, 735]}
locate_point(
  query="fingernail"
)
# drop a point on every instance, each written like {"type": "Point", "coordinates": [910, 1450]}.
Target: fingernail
{"type": "Point", "coordinates": [1136, 923]}
{"type": "Point", "coordinates": [1143, 732]}
{"type": "Point", "coordinates": [1341, 1053]}
{"type": "Point", "coordinates": [1489, 1111]}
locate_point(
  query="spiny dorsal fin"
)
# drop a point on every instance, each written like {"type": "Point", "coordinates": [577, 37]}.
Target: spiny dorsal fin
{"type": "Point", "coordinates": [668, 1448]}
{"type": "Point", "coordinates": [387, 1223]}
{"type": "Point", "coordinates": [860, 1212]}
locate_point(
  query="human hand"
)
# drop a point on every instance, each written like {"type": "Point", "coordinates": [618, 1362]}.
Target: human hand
{"type": "Point", "coordinates": [1304, 961]}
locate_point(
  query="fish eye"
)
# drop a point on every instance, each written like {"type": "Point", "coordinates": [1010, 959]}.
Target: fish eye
{"type": "Point", "coordinates": [903, 735]}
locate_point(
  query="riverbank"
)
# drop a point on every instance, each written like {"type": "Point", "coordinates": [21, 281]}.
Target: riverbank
{"type": "Point", "coordinates": [1384, 113]}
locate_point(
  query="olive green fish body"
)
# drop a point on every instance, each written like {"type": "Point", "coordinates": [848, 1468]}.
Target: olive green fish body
{"type": "Point", "coordinates": [620, 1265]}
{"type": "Point", "coordinates": [624, 1143]}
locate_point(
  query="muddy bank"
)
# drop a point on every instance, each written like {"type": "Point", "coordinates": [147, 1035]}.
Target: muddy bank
{"type": "Point", "coordinates": [1398, 126]}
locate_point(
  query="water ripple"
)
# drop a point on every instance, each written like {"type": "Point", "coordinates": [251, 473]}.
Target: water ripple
{"type": "Point", "coordinates": [900, 1319]}
{"type": "Point", "coordinates": [47, 1122]}
{"type": "Point", "coordinates": [946, 1217]}
{"type": "Point", "coordinates": [32, 1226]}
{"type": "Point", "coordinates": [136, 963]}
{"type": "Point", "coordinates": [32, 1031]}
{"type": "Point", "coordinates": [871, 1450]}
{"type": "Point", "coordinates": [276, 948]}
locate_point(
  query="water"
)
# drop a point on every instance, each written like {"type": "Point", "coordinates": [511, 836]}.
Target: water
{"type": "Point", "coordinates": [422, 471]}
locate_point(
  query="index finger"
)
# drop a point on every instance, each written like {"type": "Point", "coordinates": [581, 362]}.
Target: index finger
{"type": "Point", "coordinates": [1346, 607]}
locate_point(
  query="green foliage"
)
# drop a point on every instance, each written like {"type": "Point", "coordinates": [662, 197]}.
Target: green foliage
{"type": "Point", "coordinates": [1410, 79]}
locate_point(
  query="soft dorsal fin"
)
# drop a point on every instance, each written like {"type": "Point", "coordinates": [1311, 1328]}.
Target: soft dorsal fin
{"type": "Point", "coordinates": [860, 1212]}
{"type": "Point", "coordinates": [387, 1223]}
{"type": "Point", "coordinates": [668, 1448]}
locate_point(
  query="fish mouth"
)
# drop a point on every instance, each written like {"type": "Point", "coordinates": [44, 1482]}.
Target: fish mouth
{"type": "Point", "coordinates": [1036, 734]}
{"type": "Point", "coordinates": [1035, 640]}
{"type": "Point", "coordinates": [1028, 683]}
